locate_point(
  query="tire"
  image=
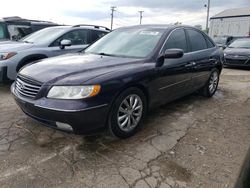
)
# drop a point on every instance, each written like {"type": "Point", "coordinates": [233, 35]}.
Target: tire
{"type": "Point", "coordinates": [125, 119]}
{"type": "Point", "coordinates": [212, 84]}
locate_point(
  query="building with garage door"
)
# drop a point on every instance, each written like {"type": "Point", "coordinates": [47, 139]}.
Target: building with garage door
{"type": "Point", "coordinates": [231, 22]}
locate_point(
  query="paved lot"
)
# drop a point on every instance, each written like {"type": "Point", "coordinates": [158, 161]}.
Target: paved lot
{"type": "Point", "coordinates": [192, 142]}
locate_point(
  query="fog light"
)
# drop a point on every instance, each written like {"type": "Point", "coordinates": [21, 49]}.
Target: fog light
{"type": "Point", "coordinates": [64, 126]}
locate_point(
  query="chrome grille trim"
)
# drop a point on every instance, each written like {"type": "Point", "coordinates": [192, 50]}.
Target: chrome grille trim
{"type": "Point", "coordinates": [26, 88]}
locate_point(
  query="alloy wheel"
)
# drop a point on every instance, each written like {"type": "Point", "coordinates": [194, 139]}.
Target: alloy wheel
{"type": "Point", "coordinates": [213, 82]}
{"type": "Point", "coordinates": [130, 112]}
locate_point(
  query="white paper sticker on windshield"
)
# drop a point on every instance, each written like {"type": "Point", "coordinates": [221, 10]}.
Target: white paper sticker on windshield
{"type": "Point", "coordinates": [149, 33]}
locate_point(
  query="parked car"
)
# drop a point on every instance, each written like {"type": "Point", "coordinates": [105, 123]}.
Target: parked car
{"type": "Point", "coordinates": [15, 28]}
{"type": "Point", "coordinates": [224, 41]}
{"type": "Point", "coordinates": [237, 54]}
{"type": "Point", "coordinates": [48, 42]}
{"type": "Point", "coordinates": [119, 78]}
{"type": "Point", "coordinates": [243, 180]}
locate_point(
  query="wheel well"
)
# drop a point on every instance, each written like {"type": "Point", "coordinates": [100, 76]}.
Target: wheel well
{"type": "Point", "coordinates": [138, 86]}
{"type": "Point", "coordinates": [219, 67]}
{"type": "Point", "coordinates": [29, 59]}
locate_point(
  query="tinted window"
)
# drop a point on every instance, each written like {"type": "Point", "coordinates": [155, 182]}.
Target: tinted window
{"type": "Point", "coordinates": [77, 37]}
{"type": "Point", "coordinates": [197, 40]}
{"type": "Point", "coordinates": [209, 43]}
{"type": "Point", "coordinates": [96, 35]}
{"type": "Point", "coordinates": [176, 40]}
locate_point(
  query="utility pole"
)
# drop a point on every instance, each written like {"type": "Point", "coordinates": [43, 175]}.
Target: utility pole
{"type": "Point", "coordinates": [208, 10]}
{"type": "Point", "coordinates": [112, 16]}
{"type": "Point", "coordinates": [141, 16]}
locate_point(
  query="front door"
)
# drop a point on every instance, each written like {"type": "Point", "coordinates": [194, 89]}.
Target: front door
{"type": "Point", "coordinates": [174, 77]}
{"type": "Point", "coordinates": [79, 39]}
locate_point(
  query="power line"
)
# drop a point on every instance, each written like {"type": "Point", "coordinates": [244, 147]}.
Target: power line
{"type": "Point", "coordinates": [141, 16]}
{"type": "Point", "coordinates": [112, 16]}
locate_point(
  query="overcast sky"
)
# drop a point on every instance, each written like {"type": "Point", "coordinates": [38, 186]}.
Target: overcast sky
{"type": "Point", "coordinates": [191, 12]}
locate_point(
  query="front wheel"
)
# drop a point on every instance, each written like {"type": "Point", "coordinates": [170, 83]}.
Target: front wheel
{"type": "Point", "coordinates": [127, 113]}
{"type": "Point", "coordinates": [212, 84]}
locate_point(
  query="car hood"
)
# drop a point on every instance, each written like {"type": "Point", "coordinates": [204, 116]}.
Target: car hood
{"type": "Point", "coordinates": [75, 68]}
{"type": "Point", "coordinates": [237, 51]}
{"type": "Point", "coordinates": [14, 46]}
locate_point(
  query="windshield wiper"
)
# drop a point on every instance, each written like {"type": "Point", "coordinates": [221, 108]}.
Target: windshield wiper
{"type": "Point", "coordinates": [27, 42]}
{"type": "Point", "coordinates": [102, 53]}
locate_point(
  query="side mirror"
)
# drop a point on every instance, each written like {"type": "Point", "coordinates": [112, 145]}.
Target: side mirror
{"type": "Point", "coordinates": [173, 53]}
{"type": "Point", "coordinates": [64, 43]}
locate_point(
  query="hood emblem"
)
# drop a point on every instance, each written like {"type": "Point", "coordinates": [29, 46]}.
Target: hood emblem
{"type": "Point", "coordinates": [21, 86]}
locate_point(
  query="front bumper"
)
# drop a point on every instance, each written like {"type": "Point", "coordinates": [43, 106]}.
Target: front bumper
{"type": "Point", "coordinates": [85, 120]}
{"type": "Point", "coordinates": [237, 62]}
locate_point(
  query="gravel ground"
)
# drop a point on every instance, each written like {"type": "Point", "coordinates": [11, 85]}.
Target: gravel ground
{"type": "Point", "coordinates": [192, 142]}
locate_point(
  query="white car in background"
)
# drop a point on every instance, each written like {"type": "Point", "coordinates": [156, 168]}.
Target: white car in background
{"type": "Point", "coordinates": [48, 42]}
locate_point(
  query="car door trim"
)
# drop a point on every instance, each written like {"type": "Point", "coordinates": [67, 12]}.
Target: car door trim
{"type": "Point", "coordinates": [201, 75]}
{"type": "Point", "coordinates": [176, 83]}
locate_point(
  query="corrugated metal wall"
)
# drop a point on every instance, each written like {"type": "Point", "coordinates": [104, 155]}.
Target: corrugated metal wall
{"type": "Point", "coordinates": [237, 26]}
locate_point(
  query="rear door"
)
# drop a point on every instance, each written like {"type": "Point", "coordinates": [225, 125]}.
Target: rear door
{"type": "Point", "coordinates": [202, 55]}
{"type": "Point", "coordinates": [80, 39]}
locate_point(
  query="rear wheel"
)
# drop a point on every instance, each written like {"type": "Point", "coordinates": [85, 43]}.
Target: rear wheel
{"type": "Point", "coordinates": [127, 113]}
{"type": "Point", "coordinates": [212, 84]}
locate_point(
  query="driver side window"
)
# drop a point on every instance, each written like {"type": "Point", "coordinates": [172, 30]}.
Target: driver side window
{"type": "Point", "coordinates": [177, 39]}
{"type": "Point", "coordinates": [77, 37]}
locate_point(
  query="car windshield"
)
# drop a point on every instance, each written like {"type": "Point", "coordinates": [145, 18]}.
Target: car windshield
{"type": "Point", "coordinates": [220, 40]}
{"type": "Point", "coordinates": [44, 36]}
{"type": "Point", "coordinates": [240, 43]}
{"type": "Point", "coordinates": [2, 35]}
{"type": "Point", "coordinates": [127, 43]}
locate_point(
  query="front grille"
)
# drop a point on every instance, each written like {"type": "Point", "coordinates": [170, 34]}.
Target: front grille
{"type": "Point", "coordinates": [27, 87]}
{"type": "Point", "coordinates": [236, 61]}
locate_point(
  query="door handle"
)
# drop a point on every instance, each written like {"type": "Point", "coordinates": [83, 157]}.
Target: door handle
{"type": "Point", "coordinates": [191, 64]}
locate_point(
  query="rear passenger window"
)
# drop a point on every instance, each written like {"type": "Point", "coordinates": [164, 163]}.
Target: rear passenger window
{"type": "Point", "coordinates": [197, 40]}
{"type": "Point", "coordinates": [177, 39]}
{"type": "Point", "coordinates": [96, 35]}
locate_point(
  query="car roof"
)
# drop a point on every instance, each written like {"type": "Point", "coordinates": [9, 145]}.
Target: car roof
{"type": "Point", "coordinates": [158, 26]}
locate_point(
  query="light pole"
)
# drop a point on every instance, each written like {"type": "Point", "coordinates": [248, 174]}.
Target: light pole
{"type": "Point", "coordinates": [141, 16]}
{"type": "Point", "coordinates": [112, 16]}
{"type": "Point", "coordinates": [208, 10]}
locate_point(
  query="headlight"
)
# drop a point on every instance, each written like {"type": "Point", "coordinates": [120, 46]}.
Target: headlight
{"type": "Point", "coordinates": [73, 92]}
{"type": "Point", "coordinates": [4, 56]}
{"type": "Point", "coordinates": [225, 54]}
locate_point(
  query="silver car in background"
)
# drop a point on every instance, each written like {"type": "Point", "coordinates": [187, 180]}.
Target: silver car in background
{"type": "Point", "coordinates": [48, 42]}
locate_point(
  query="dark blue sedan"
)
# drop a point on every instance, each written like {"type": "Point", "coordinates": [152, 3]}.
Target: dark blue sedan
{"type": "Point", "coordinates": [116, 80]}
